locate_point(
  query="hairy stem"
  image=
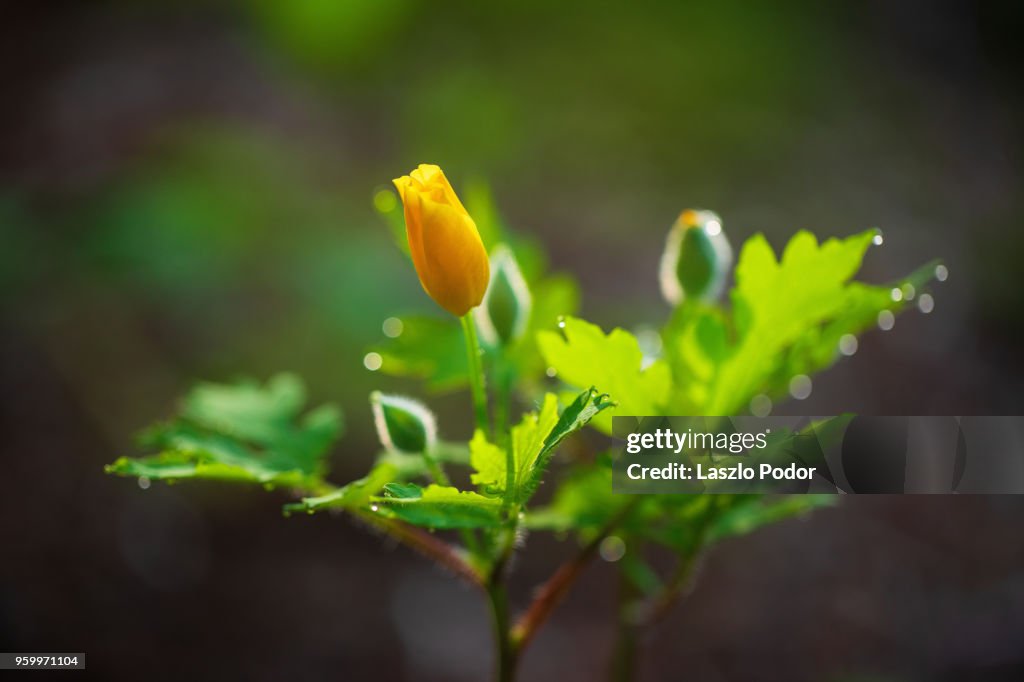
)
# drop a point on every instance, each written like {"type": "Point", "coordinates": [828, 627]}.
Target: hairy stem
{"type": "Point", "coordinates": [554, 590]}
{"type": "Point", "coordinates": [476, 373]}
{"type": "Point", "coordinates": [424, 543]}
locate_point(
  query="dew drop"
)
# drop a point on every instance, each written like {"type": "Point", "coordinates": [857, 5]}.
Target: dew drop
{"type": "Point", "coordinates": [392, 327]}
{"type": "Point", "coordinates": [144, 482]}
{"type": "Point", "coordinates": [896, 294]}
{"type": "Point", "coordinates": [800, 386]}
{"type": "Point", "coordinates": [561, 324]}
{"type": "Point", "coordinates": [926, 303]}
{"type": "Point", "coordinates": [848, 344]}
{"type": "Point", "coordinates": [374, 508]}
{"type": "Point", "coordinates": [612, 548]}
{"type": "Point", "coordinates": [373, 361]}
{"type": "Point", "coordinates": [761, 405]}
{"type": "Point", "coordinates": [886, 320]}
{"type": "Point", "coordinates": [941, 273]}
{"type": "Point", "coordinates": [878, 239]}
{"type": "Point", "coordinates": [713, 228]}
{"type": "Point", "coordinates": [551, 372]}
{"type": "Point", "coordinates": [909, 291]}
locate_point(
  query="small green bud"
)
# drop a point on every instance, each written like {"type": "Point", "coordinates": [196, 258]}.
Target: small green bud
{"type": "Point", "coordinates": [504, 314]}
{"type": "Point", "coordinates": [697, 258]}
{"type": "Point", "coordinates": [403, 424]}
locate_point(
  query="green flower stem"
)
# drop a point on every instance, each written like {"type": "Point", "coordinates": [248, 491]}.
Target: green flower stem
{"type": "Point", "coordinates": [476, 374]}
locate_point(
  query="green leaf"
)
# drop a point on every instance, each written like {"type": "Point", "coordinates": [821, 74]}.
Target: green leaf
{"type": "Point", "coordinates": [587, 405]}
{"type": "Point", "coordinates": [527, 438]}
{"type": "Point", "coordinates": [241, 432]}
{"type": "Point", "coordinates": [404, 491]}
{"type": "Point", "coordinates": [351, 496]}
{"type": "Point", "coordinates": [787, 319]}
{"type": "Point", "coordinates": [613, 363]}
{"type": "Point", "coordinates": [776, 302]}
{"type": "Point", "coordinates": [490, 464]}
{"type": "Point", "coordinates": [534, 441]}
{"type": "Point", "coordinates": [439, 506]}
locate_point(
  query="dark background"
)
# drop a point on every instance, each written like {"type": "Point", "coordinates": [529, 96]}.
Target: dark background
{"type": "Point", "coordinates": [186, 192]}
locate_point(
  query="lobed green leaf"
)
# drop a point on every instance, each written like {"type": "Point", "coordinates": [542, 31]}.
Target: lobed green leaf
{"type": "Point", "coordinates": [614, 363]}
{"type": "Point", "coordinates": [241, 432]}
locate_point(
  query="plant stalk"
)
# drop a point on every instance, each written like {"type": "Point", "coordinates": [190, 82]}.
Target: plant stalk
{"type": "Point", "coordinates": [426, 544]}
{"type": "Point", "coordinates": [623, 661]}
{"type": "Point", "coordinates": [507, 656]}
{"type": "Point", "coordinates": [476, 374]}
{"type": "Point", "coordinates": [554, 590]}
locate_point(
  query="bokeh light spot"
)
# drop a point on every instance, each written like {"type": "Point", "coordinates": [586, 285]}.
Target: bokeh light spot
{"type": "Point", "coordinates": [761, 405]}
{"type": "Point", "coordinates": [848, 344]}
{"type": "Point", "coordinates": [392, 327]}
{"type": "Point", "coordinates": [612, 548]}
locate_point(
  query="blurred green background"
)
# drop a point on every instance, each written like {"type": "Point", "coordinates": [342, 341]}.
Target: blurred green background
{"type": "Point", "coordinates": [186, 191]}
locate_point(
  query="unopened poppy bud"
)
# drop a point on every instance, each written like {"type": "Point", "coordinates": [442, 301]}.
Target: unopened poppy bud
{"type": "Point", "coordinates": [403, 424]}
{"type": "Point", "coordinates": [697, 258]}
{"type": "Point", "coordinates": [505, 312]}
{"type": "Point", "coordinates": [445, 246]}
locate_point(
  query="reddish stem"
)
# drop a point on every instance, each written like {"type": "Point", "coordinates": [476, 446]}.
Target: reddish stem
{"type": "Point", "coordinates": [426, 544]}
{"type": "Point", "coordinates": [551, 593]}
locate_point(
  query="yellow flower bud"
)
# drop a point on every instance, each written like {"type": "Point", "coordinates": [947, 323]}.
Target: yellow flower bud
{"type": "Point", "coordinates": [446, 248]}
